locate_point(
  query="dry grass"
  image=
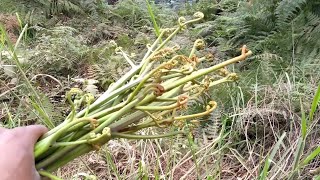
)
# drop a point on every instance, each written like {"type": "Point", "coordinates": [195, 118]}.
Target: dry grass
{"type": "Point", "coordinates": [259, 128]}
{"type": "Point", "coordinates": [12, 26]}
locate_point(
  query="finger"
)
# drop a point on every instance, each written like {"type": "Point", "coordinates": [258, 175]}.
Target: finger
{"type": "Point", "coordinates": [2, 129]}
{"type": "Point", "coordinates": [29, 134]}
{"type": "Point", "coordinates": [34, 132]}
{"type": "Point", "coordinates": [36, 175]}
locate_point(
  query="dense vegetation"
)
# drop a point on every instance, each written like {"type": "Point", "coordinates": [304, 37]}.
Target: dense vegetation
{"type": "Point", "coordinates": [265, 127]}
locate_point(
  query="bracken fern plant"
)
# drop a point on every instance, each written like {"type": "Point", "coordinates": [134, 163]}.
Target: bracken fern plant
{"type": "Point", "coordinates": [59, 51]}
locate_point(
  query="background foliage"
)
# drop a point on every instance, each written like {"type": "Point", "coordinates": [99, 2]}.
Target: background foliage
{"type": "Point", "coordinates": [69, 41]}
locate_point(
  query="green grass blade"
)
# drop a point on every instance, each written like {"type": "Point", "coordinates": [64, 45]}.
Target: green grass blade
{"type": "Point", "coordinates": [23, 31]}
{"type": "Point", "coordinates": [142, 174]}
{"type": "Point", "coordinates": [46, 119]}
{"type": "Point", "coordinates": [298, 153]}
{"type": "Point", "coordinates": [317, 177]}
{"type": "Point", "coordinates": [264, 173]}
{"type": "Point", "coordinates": [314, 105]}
{"type": "Point", "coordinates": [193, 152]}
{"type": "Point", "coordinates": [7, 44]}
{"type": "Point", "coordinates": [153, 19]}
{"type": "Point", "coordinates": [19, 20]}
{"type": "Point", "coordinates": [311, 156]}
{"type": "Point", "coordinates": [10, 121]}
{"type": "Point", "coordinates": [303, 121]}
{"type": "Point", "coordinates": [112, 164]}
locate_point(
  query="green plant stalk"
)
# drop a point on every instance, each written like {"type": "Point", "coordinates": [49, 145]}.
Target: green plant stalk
{"type": "Point", "coordinates": [103, 107]}
{"type": "Point", "coordinates": [124, 122]}
{"type": "Point", "coordinates": [170, 120]}
{"type": "Point", "coordinates": [84, 148]}
{"type": "Point", "coordinates": [120, 98]}
{"type": "Point", "coordinates": [126, 77]}
{"type": "Point", "coordinates": [145, 78]}
{"type": "Point", "coordinates": [179, 28]}
{"type": "Point", "coordinates": [102, 126]}
{"type": "Point", "coordinates": [171, 85]}
{"type": "Point", "coordinates": [195, 46]}
{"type": "Point", "coordinates": [157, 108]}
{"type": "Point", "coordinates": [67, 157]}
{"type": "Point", "coordinates": [43, 145]}
{"type": "Point", "coordinates": [133, 136]}
{"type": "Point", "coordinates": [61, 152]}
{"type": "Point", "coordinates": [49, 175]}
{"type": "Point", "coordinates": [202, 72]}
{"type": "Point", "coordinates": [117, 115]}
{"type": "Point", "coordinates": [168, 77]}
{"type": "Point", "coordinates": [81, 113]}
{"type": "Point", "coordinates": [145, 124]}
{"type": "Point", "coordinates": [65, 150]}
{"type": "Point", "coordinates": [159, 99]}
{"type": "Point", "coordinates": [110, 96]}
{"type": "Point", "coordinates": [76, 137]}
{"type": "Point", "coordinates": [220, 81]}
{"type": "Point", "coordinates": [127, 121]}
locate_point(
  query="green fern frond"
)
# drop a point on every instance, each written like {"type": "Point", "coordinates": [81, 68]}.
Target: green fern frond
{"type": "Point", "coordinates": [56, 7]}
{"type": "Point", "coordinates": [65, 6]}
{"type": "Point", "coordinates": [44, 2]}
{"type": "Point", "coordinates": [307, 35]}
{"type": "Point", "coordinates": [287, 10]}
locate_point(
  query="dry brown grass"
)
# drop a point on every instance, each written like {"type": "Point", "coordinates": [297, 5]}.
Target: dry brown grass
{"type": "Point", "coordinates": [260, 127]}
{"type": "Point", "coordinates": [11, 25]}
{"type": "Point", "coordinates": [127, 156]}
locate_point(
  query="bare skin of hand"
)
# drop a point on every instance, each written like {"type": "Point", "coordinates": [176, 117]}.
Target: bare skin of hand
{"type": "Point", "coordinates": [16, 152]}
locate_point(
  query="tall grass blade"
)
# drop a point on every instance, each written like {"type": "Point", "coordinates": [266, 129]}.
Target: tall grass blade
{"type": "Point", "coordinates": [45, 118]}
{"type": "Point", "coordinates": [142, 171]}
{"type": "Point", "coordinates": [153, 19]}
{"type": "Point", "coordinates": [302, 140]}
{"type": "Point", "coordinates": [112, 164]}
{"type": "Point", "coordinates": [314, 105]}
{"type": "Point", "coordinates": [264, 173]}
{"type": "Point", "coordinates": [6, 43]}
{"type": "Point", "coordinates": [10, 120]}
{"type": "Point", "coordinates": [193, 152]}
{"type": "Point", "coordinates": [317, 177]}
{"type": "Point", "coordinates": [303, 122]}
{"type": "Point", "coordinates": [309, 158]}
{"type": "Point", "coordinates": [300, 148]}
{"type": "Point", "coordinates": [22, 33]}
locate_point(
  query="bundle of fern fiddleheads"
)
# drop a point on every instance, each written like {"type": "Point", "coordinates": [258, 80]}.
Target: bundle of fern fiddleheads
{"type": "Point", "coordinates": [153, 93]}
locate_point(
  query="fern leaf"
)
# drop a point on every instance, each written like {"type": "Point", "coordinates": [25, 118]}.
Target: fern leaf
{"type": "Point", "coordinates": [287, 10]}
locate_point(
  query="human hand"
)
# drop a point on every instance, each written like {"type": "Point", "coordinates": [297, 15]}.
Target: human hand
{"type": "Point", "coordinates": [16, 152]}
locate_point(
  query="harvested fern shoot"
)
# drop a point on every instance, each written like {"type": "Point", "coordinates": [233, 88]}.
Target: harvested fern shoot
{"type": "Point", "coordinates": [153, 93]}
